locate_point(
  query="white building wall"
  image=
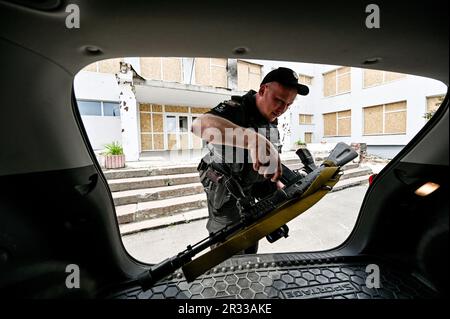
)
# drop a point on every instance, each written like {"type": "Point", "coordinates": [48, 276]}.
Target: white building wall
{"type": "Point", "coordinates": [412, 89]}
{"type": "Point", "coordinates": [95, 86]}
{"type": "Point", "coordinates": [102, 130]}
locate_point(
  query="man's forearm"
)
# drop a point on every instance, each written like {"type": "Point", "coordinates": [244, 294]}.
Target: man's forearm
{"type": "Point", "coordinates": [217, 130]}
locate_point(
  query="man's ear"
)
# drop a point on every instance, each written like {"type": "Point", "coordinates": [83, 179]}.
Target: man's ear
{"type": "Point", "coordinates": [262, 88]}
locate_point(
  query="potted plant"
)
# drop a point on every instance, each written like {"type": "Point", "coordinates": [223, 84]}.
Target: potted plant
{"type": "Point", "coordinates": [114, 156]}
{"type": "Point", "coordinates": [300, 144]}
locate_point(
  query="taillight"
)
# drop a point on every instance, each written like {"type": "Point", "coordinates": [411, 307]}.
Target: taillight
{"type": "Point", "coordinates": [371, 178]}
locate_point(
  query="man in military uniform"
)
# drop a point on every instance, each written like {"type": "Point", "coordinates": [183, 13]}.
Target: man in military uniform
{"type": "Point", "coordinates": [251, 152]}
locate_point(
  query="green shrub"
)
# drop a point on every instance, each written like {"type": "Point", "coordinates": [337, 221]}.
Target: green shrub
{"type": "Point", "coordinates": [113, 148]}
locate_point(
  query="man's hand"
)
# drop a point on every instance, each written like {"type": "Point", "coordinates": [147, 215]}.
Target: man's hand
{"type": "Point", "coordinates": [265, 158]}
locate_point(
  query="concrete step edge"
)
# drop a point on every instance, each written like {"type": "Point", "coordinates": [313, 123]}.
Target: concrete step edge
{"type": "Point", "coordinates": [159, 208]}
{"type": "Point", "coordinates": [156, 193]}
{"type": "Point", "coordinates": [198, 214]}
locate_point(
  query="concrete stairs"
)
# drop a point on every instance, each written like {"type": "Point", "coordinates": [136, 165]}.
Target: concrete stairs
{"type": "Point", "coordinates": [147, 198]}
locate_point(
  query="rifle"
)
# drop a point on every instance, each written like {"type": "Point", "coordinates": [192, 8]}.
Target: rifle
{"type": "Point", "coordinates": [267, 217]}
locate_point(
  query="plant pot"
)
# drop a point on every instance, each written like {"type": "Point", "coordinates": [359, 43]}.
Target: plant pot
{"type": "Point", "coordinates": [114, 161]}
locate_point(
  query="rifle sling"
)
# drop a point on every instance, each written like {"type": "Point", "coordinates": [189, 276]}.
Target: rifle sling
{"type": "Point", "coordinates": [249, 236]}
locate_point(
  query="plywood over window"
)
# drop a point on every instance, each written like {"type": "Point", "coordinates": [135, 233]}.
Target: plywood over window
{"type": "Point", "coordinates": [305, 119]}
{"type": "Point", "coordinates": [337, 123]}
{"type": "Point", "coordinates": [151, 68]}
{"type": "Point", "coordinates": [395, 123]}
{"type": "Point", "coordinates": [434, 102]}
{"type": "Point", "coordinates": [158, 123]}
{"type": "Point", "coordinates": [145, 107]}
{"type": "Point", "coordinates": [202, 71]}
{"type": "Point", "coordinates": [158, 141]}
{"type": "Point", "coordinates": [199, 110]}
{"type": "Point", "coordinates": [249, 76]}
{"type": "Point", "coordinates": [373, 120]}
{"type": "Point", "coordinates": [344, 125]}
{"type": "Point", "coordinates": [91, 67]}
{"type": "Point", "coordinates": [337, 81]}
{"type": "Point", "coordinates": [372, 77]}
{"type": "Point", "coordinates": [329, 81]}
{"type": "Point", "coordinates": [305, 79]}
{"type": "Point", "coordinates": [171, 70]}
{"type": "Point", "coordinates": [385, 119]}
{"type": "Point", "coordinates": [146, 142]}
{"type": "Point", "coordinates": [376, 77]}
{"type": "Point", "coordinates": [145, 121]}
{"type": "Point", "coordinates": [330, 124]}
{"type": "Point", "coordinates": [176, 109]}
{"type": "Point", "coordinates": [211, 72]}
{"type": "Point", "coordinates": [156, 108]}
{"type": "Point", "coordinates": [392, 76]}
{"type": "Point", "coordinates": [308, 137]}
{"type": "Point", "coordinates": [344, 83]}
{"type": "Point", "coordinates": [109, 66]}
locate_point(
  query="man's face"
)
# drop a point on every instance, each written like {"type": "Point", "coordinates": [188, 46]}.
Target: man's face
{"type": "Point", "coordinates": [274, 100]}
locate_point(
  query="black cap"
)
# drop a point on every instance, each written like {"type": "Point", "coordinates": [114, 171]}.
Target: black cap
{"type": "Point", "coordinates": [286, 77]}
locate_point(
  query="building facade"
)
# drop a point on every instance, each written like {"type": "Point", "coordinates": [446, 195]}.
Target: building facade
{"type": "Point", "coordinates": [150, 103]}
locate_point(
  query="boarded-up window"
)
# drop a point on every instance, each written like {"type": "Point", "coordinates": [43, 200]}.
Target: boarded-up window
{"type": "Point", "coordinates": [152, 127]}
{"type": "Point", "coordinates": [172, 70]}
{"type": "Point", "coordinates": [330, 124]}
{"type": "Point", "coordinates": [219, 73]}
{"type": "Point", "coordinates": [329, 84]}
{"type": "Point", "coordinates": [91, 67]}
{"type": "Point", "coordinates": [385, 119]}
{"type": "Point", "coordinates": [308, 137]}
{"type": "Point", "coordinates": [151, 68]}
{"type": "Point", "coordinates": [433, 102]}
{"type": "Point", "coordinates": [372, 77]}
{"type": "Point", "coordinates": [337, 123]}
{"type": "Point", "coordinates": [109, 66]}
{"type": "Point", "coordinates": [157, 133]}
{"type": "Point", "coordinates": [337, 81]}
{"type": "Point", "coordinates": [249, 76]}
{"type": "Point", "coordinates": [305, 79]}
{"type": "Point", "coordinates": [373, 120]}
{"type": "Point", "coordinates": [305, 118]}
{"type": "Point", "coordinates": [162, 69]}
{"type": "Point", "coordinates": [211, 72]}
{"type": "Point", "coordinates": [199, 110]}
{"type": "Point", "coordinates": [376, 77]}
{"type": "Point", "coordinates": [344, 125]}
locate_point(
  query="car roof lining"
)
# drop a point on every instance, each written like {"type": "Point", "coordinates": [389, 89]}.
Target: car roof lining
{"type": "Point", "coordinates": [301, 32]}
